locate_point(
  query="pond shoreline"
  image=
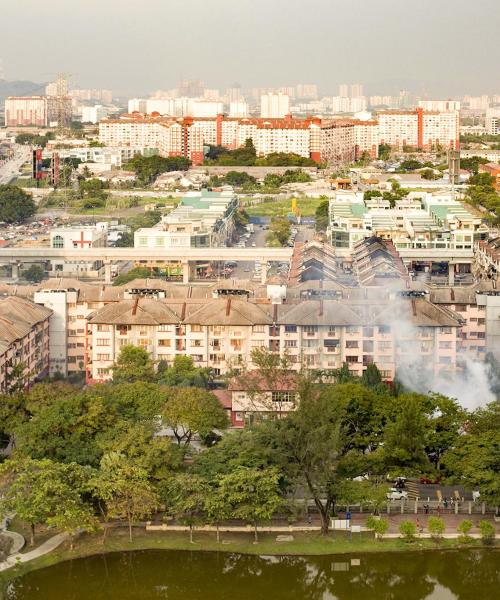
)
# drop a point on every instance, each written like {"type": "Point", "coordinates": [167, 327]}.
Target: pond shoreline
{"type": "Point", "coordinates": [307, 545]}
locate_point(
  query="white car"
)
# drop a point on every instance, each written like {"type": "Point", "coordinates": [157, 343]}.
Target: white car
{"type": "Point", "coordinates": [394, 494]}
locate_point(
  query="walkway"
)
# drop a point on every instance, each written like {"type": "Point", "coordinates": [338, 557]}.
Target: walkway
{"type": "Point", "coordinates": [43, 549]}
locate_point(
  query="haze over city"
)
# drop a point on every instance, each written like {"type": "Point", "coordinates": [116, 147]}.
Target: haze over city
{"type": "Point", "coordinates": [249, 299]}
{"type": "Point", "coordinates": [428, 47]}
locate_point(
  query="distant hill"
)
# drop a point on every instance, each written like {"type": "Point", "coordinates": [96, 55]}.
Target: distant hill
{"type": "Point", "coordinates": [20, 88]}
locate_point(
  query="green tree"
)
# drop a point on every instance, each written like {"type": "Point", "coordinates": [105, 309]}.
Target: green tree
{"type": "Point", "coordinates": [35, 273]}
{"type": "Point", "coordinates": [15, 204]}
{"type": "Point", "coordinates": [436, 526]}
{"type": "Point", "coordinates": [378, 526]}
{"type": "Point", "coordinates": [147, 168]}
{"type": "Point", "coordinates": [73, 517]}
{"type": "Point", "coordinates": [408, 529]}
{"type": "Point", "coordinates": [185, 496]}
{"type": "Point", "coordinates": [474, 460]}
{"type": "Point", "coordinates": [488, 531]}
{"type": "Point", "coordinates": [322, 218]}
{"type": "Point", "coordinates": [133, 364]}
{"type": "Point", "coordinates": [191, 411]}
{"type": "Point", "coordinates": [405, 438]}
{"type": "Point", "coordinates": [384, 151]}
{"type": "Point", "coordinates": [39, 491]}
{"type": "Point", "coordinates": [135, 273]}
{"type": "Point", "coordinates": [216, 507]}
{"type": "Point", "coordinates": [124, 490]}
{"type": "Point", "coordinates": [464, 528]}
{"type": "Point", "coordinates": [183, 373]}
{"type": "Point", "coordinates": [252, 494]}
{"type": "Point", "coordinates": [279, 231]}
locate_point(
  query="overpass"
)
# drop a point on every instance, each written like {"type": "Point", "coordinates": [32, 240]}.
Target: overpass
{"type": "Point", "coordinates": [108, 256]}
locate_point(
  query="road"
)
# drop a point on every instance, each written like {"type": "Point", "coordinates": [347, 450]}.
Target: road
{"type": "Point", "coordinates": [10, 168]}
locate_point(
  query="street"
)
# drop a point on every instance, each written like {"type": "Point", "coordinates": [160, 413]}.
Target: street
{"type": "Point", "coordinates": [10, 168]}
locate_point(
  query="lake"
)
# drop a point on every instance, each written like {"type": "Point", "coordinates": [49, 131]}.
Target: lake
{"type": "Point", "coordinates": [181, 575]}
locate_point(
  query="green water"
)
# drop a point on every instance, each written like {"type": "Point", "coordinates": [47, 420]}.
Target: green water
{"type": "Point", "coordinates": [144, 575]}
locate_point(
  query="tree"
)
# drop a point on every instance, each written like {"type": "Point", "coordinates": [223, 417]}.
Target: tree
{"type": "Point", "coordinates": [436, 526]}
{"type": "Point", "coordinates": [73, 517]}
{"type": "Point", "coordinates": [405, 438]}
{"type": "Point", "coordinates": [384, 151]}
{"type": "Point", "coordinates": [135, 273]}
{"type": "Point", "coordinates": [488, 531]}
{"type": "Point", "coordinates": [378, 526]}
{"type": "Point", "coordinates": [279, 231]}
{"type": "Point", "coordinates": [183, 373]}
{"type": "Point", "coordinates": [191, 411]}
{"type": "Point", "coordinates": [371, 376]}
{"type": "Point", "coordinates": [147, 168]}
{"type": "Point", "coordinates": [408, 529]}
{"type": "Point", "coordinates": [15, 204]}
{"type": "Point", "coordinates": [252, 494]}
{"type": "Point", "coordinates": [133, 364]}
{"type": "Point", "coordinates": [464, 528]}
{"type": "Point", "coordinates": [308, 446]}
{"type": "Point", "coordinates": [322, 218]}
{"type": "Point", "coordinates": [185, 495]}
{"type": "Point", "coordinates": [474, 460]}
{"type": "Point", "coordinates": [124, 489]}
{"type": "Point", "coordinates": [35, 273]}
{"type": "Point", "coordinates": [39, 491]}
{"type": "Point", "coordinates": [216, 507]}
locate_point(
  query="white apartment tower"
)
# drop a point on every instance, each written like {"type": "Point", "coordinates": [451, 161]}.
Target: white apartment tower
{"type": "Point", "coordinates": [274, 106]}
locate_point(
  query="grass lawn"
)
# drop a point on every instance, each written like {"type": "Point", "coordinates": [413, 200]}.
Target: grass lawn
{"type": "Point", "coordinates": [303, 544]}
{"type": "Point", "coordinates": [275, 208]}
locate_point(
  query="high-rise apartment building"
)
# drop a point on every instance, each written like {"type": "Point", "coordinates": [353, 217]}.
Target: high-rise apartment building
{"type": "Point", "coordinates": [356, 90]}
{"type": "Point", "coordinates": [493, 121]}
{"type": "Point", "coordinates": [306, 91]}
{"type": "Point", "coordinates": [274, 106]}
{"type": "Point", "coordinates": [344, 90]}
{"type": "Point", "coordinates": [26, 110]}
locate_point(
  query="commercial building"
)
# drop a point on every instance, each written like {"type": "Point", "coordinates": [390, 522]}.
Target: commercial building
{"type": "Point", "coordinates": [202, 219]}
{"type": "Point", "coordinates": [24, 342]}
{"type": "Point", "coordinates": [80, 238]}
{"type": "Point", "coordinates": [439, 105]}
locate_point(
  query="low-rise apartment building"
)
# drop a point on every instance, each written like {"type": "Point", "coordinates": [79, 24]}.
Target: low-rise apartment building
{"type": "Point", "coordinates": [314, 334]}
{"type": "Point", "coordinates": [24, 342]}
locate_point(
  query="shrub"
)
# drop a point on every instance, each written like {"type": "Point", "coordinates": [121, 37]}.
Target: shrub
{"type": "Point", "coordinates": [487, 530]}
{"type": "Point", "coordinates": [436, 526]}
{"type": "Point", "coordinates": [464, 528]}
{"type": "Point", "coordinates": [408, 529]}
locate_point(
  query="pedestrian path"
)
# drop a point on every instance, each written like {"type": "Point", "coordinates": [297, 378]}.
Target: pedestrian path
{"type": "Point", "coordinates": [43, 549]}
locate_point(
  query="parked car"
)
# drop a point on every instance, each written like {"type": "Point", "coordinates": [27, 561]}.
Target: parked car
{"type": "Point", "coordinates": [394, 494]}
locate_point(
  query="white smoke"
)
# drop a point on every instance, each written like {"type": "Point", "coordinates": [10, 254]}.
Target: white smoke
{"type": "Point", "coordinates": [471, 385]}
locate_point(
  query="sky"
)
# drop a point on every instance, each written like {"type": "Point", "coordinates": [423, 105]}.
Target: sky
{"type": "Point", "coordinates": [432, 47]}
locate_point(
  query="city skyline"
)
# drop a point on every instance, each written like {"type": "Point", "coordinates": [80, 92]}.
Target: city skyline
{"type": "Point", "coordinates": [253, 44]}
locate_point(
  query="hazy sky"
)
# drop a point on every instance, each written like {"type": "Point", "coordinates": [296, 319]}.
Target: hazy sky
{"type": "Point", "coordinates": [434, 46]}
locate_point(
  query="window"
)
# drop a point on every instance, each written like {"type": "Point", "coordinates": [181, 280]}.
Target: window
{"type": "Point", "coordinates": [282, 396]}
{"type": "Point", "coordinates": [384, 329]}
{"type": "Point", "coordinates": [445, 345]}
{"type": "Point", "coordinates": [445, 330]}
{"type": "Point", "coordinates": [310, 343]}
{"type": "Point", "coordinates": [310, 329]}
{"type": "Point", "coordinates": [351, 344]}
{"type": "Point", "coordinates": [367, 331]}
{"type": "Point", "coordinates": [351, 329]}
{"type": "Point", "coordinates": [143, 241]}
{"type": "Point", "coordinates": [332, 331]}
{"type": "Point", "coordinates": [102, 342]}
{"type": "Point", "coordinates": [290, 343]}
{"type": "Point", "coordinates": [103, 357]}
{"type": "Point", "coordinates": [143, 342]}
{"type": "Point", "coordinates": [382, 346]}
{"type": "Point", "coordinates": [290, 328]}
{"type": "Point", "coordinates": [351, 359]}
{"type": "Point", "coordinates": [102, 371]}
{"type": "Point", "coordinates": [258, 329]}
{"type": "Point", "coordinates": [103, 328]}
{"type": "Point", "coordinates": [196, 328]}
{"type": "Point", "coordinates": [58, 241]}
{"type": "Point", "coordinates": [197, 343]}
{"type": "Point", "coordinates": [164, 343]}
{"type": "Point", "coordinates": [258, 343]}
{"type": "Point", "coordinates": [164, 327]}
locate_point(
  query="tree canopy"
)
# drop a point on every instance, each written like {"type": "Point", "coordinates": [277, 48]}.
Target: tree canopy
{"type": "Point", "coordinates": [15, 204]}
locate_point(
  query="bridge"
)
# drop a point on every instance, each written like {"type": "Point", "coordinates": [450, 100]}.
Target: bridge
{"type": "Point", "coordinates": [151, 256]}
